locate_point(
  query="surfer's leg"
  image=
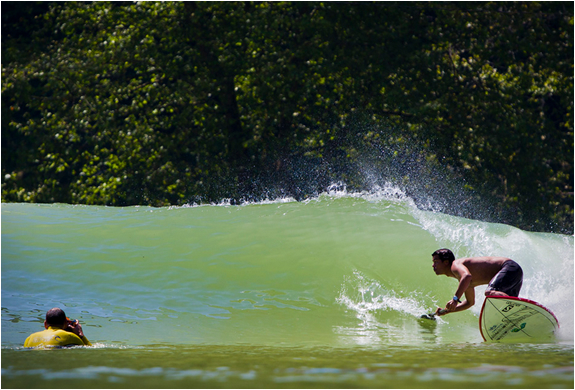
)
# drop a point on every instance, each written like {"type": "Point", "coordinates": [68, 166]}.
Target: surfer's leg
{"type": "Point", "coordinates": [494, 293]}
{"type": "Point", "coordinates": [507, 282]}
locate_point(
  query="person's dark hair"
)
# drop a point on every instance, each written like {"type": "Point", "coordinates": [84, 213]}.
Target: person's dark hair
{"type": "Point", "coordinates": [56, 317]}
{"type": "Point", "coordinates": [444, 254]}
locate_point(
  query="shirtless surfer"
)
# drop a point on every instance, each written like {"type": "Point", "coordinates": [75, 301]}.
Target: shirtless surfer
{"type": "Point", "coordinates": [503, 277]}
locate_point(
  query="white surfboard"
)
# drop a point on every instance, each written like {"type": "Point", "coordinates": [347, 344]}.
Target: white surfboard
{"type": "Point", "coordinates": [516, 320]}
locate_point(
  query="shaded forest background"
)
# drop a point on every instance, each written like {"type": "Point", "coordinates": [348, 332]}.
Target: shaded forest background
{"type": "Point", "coordinates": [466, 106]}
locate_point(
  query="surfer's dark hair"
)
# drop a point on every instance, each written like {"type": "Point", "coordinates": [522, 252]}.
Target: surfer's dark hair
{"type": "Point", "coordinates": [444, 254]}
{"type": "Point", "coordinates": [56, 317]}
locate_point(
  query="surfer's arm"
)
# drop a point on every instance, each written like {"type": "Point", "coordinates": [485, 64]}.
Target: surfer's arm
{"type": "Point", "coordinates": [468, 302]}
{"type": "Point", "coordinates": [452, 305]}
{"type": "Point", "coordinates": [464, 284]}
{"type": "Point", "coordinates": [462, 273]}
{"type": "Point", "coordinates": [464, 276]}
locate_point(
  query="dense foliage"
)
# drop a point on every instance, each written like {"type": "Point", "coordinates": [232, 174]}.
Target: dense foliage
{"type": "Point", "coordinates": [464, 104]}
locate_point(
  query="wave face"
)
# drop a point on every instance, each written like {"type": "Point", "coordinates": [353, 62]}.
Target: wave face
{"type": "Point", "coordinates": [338, 270]}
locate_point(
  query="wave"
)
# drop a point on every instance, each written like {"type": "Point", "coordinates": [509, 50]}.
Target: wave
{"type": "Point", "coordinates": [338, 269]}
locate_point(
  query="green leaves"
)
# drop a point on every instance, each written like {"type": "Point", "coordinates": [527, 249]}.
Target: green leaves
{"type": "Point", "coordinates": [167, 102]}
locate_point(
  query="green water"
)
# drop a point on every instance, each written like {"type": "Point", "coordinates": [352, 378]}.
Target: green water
{"type": "Point", "coordinates": [323, 293]}
{"type": "Point", "coordinates": [244, 366]}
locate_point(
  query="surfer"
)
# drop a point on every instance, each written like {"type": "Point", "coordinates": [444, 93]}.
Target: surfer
{"type": "Point", "coordinates": [60, 332]}
{"type": "Point", "coordinates": [503, 277]}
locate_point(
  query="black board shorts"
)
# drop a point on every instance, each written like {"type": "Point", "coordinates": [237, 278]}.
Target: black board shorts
{"type": "Point", "coordinates": [508, 280]}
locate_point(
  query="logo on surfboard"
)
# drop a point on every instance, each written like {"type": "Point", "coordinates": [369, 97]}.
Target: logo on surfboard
{"type": "Point", "coordinates": [518, 329]}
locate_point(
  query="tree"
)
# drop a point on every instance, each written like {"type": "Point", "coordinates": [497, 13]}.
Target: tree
{"type": "Point", "coordinates": [162, 103]}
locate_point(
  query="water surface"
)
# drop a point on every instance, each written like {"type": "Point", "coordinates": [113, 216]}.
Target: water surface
{"type": "Point", "coordinates": [322, 293]}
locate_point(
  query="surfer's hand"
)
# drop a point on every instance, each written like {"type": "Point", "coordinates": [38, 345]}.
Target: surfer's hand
{"type": "Point", "coordinates": [440, 311]}
{"type": "Point", "coordinates": [451, 305]}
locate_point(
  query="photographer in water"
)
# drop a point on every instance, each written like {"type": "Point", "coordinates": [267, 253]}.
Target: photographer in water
{"type": "Point", "coordinates": [60, 332]}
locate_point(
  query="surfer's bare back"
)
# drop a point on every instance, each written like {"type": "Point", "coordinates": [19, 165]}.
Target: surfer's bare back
{"type": "Point", "coordinates": [503, 277]}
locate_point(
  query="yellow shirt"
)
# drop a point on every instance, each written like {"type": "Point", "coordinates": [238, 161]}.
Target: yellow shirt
{"type": "Point", "coordinates": [54, 337]}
